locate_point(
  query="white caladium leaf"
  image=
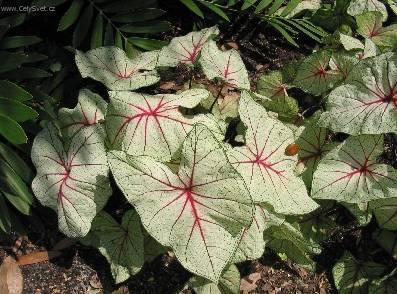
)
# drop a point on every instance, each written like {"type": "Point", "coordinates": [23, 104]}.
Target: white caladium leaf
{"type": "Point", "coordinates": [312, 142]}
{"type": "Point", "coordinates": [358, 7]}
{"type": "Point", "coordinates": [226, 66]}
{"type": "Point", "coordinates": [200, 212]}
{"type": "Point", "coordinates": [385, 211]}
{"type": "Point", "coordinates": [266, 169]}
{"type": "Point", "coordinates": [370, 49]}
{"type": "Point", "coordinates": [386, 284]}
{"type": "Point", "coordinates": [185, 49]}
{"type": "Point", "coordinates": [252, 244]}
{"type": "Point", "coordinates": [343, 63]}
{"type": "Point", "coordinates": [122, 245]}
{"type": "Point", "coordinates": [229, 283]}
{"type": "Point", "coordinates": [367, 104]}
{"type": "Point", "coordinates": [350, 172]}
{"type": "Point", "coordinates": [73, 179]}
{"type": "Point", "coordinates": [370, 26]}
{"type": "Point", "coordinates": [350, 43]}
{"type": "Point", "coordinates": [90, 109]}
{"type": "Point", "coordinates": [112, 67]}
{"type": "Point", "coordinates": [314, 74]}
{"type": "Point", "coordinates": [352, 276]}
{"type": "Point", "coordinates": [151, 125]}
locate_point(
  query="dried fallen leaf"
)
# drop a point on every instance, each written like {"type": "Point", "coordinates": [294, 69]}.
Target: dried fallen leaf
{"type": "Point", "coordinates": [248, 284]}
{"type": "Point", "coordinates": [36, 257]}
{"type": "Point", "coordinates": [11, 280]}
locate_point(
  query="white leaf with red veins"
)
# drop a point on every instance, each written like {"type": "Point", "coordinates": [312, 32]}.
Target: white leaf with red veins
{"type": "Point", "coordinates": [266, 169]}
{"type": "Point", "coordinates": [185, 49]}
{"type": "Point", "coordinates": [224, 65]}
{"type": "Point", "coordinates": [314, 74]}
{"type": "Point", "coordinates": [151, 125]}
{"type": "Point", "coordinates": [199, 212]}
{"type": "Point", "coordinates": [73, 181]}
{"type": "Point", "coordinates": [367, 103]}
{"type": "Point", "coordinates": [112, 67]}
{"type": "Point", "coordinates": [350, 172]}
{"type": "Point", "coordinates": [357, 7]}
{"type": "Point", "coordinates": [90, 109]}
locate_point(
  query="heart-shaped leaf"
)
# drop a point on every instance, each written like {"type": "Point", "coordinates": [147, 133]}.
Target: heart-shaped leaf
{"type": "Point", "coordinates": [200, 212]}
{"type": "Point", "coordinates": [385, 211]}
{"type": "Point", "coordinates": [185, 49]}
{"type": "Point", "coordinates": [387, 240]}
{"type": "Point", "coordinates": [72, 178]}
{"type": "Point", "coordinates": [226, 66]}
{"type": "Point", "coordinates": [314, 74]}
{"type": "Point", "coordinates": [122, 245]}
{"type": "Point", "coordinates": [350, 172]}
{"type": "Point", "coordinates": [90, 109]}
{"type": "Point", "coordinates": [112, 67]}
{"type": "Point", "coordinates": [266, 169]}
{"type": "Point", "coordinates": [352, 276]}
{"type": "Point", "coordinates": [358, 7]}
{"type": "Point", "coordinates": [151, 125]}
{"type": "Point", "coordinates": [367, 104]}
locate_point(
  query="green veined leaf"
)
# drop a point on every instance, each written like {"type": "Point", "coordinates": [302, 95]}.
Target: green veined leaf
{"type": "Point", "coordinates": [13, 91]}
{"type": "Point", "coordinates": [367, 102]}
{"type": "Point", "coordinates": [12, 131]}
{"type": "Point", "coordinates": [122, 245]}
{"type": "Point", "coordinates": [350, 172]}
{"type": "Point", "coordinates": [147, 44]}
{"type": "Point", "coordinates": [152, 27]}
{"type": "Point", "coordinates": [72, 180]}
{"type": "Point", "coordinates": [263, 5]}
{"type": "Point", "coordinates": [71, 15]}
{"type": "Point", "coordinates": [352, 276]}
{"type": "Point", "coordinates": [186, 49]}
{"type": "Point", "coordinates": [193, 7]}
{"type": "Point", "coordinates": [130, 50]}
{"type": "Point", "coordinates": [18, 41]}
{"type": "Point", "coordinates": [387, 240]}
{"type": "Point", "coordinates": [18, 202]}
{"type": "Point", "coordinates": [97, 32]}
{"type": "Point", "coordinates": [385, 211]}
{"type": "Point", "coordinates": [109, 36]}
{"type": "Point", "coordinates": [139, 16]}
{"type": "Point", "coordinates": [16, 110]}
{"type": "Point", "coordinates": [292, 4]}
{"type": "Point", "coordinates": [386, 284]}
{"type": "Point", "coordinates": [266, 169]}
{"type": "Point", "coordinates": [275, 6]}
{"type": "Point", "coordinates": [360, 211]}
{"type": "Point", "coordinates": [305, 29]}
{"type": "Point", "coordinates": [83, 26]}
{"type": "Point", "coordinates": [224, 65]}
{"type": "Point", "coordinates": [112, 67]}
{"type": "Point", "coordinates": [215, 9]}
{"type": "Point", "coordinates": [247, 4]}
{"type": "Point", "coordinates": [118, 40]}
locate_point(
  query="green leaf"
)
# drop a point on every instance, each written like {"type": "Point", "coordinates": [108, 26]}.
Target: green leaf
{"type": "Point", "coordinates": [367, 102]}
{"type": "Point", "coordinates": [73, 179]}
{"type": "Point", "coordinates": [224, 65]}
{"type": "Point", "coordinates": [11, 60]}
{"type": "Point", "coordinates": [18, 41]}
{"type": "Point", "coordinates": [247, 4]}
{"type": "Point", "coordinates": [267, 170]}
{"type": "Point", "coordinates": [97, 32]}
{"type": "Point", "coordinates": [27, 73]}
{"type": "Point", "coordinates": [385, 211]}
{"type": "Point", "coordinates": [12, 131]}
{"type": "Point", "coordinates": [139, 16]}
{"type": "Point", "coordinates": [200, 212]}
{"type": "Point", "coordinates": [109, 36]}
{"type": "Point", "coordinates": [112, 67]}
{"type": "Point", "coordinates": [262, 5]}
{"type": "Point", "coordinates": [5, 218]}
{"type": "Point", "coordinates": [387, 240]}
{"type": "Point", "coordinates": [360, 211]}
{"type": "Point", "coordinates": [314, 74]}
{"type": "Point", "coordinates": [153, 27]}
{"type": "Point", "coordinates": [83, 25]}
{"type": "Point", "coordinates": [16, 162]}
{"type": "Point", "coordinates": [193, 7]}
{"type": "Point", "coordinates": [71, 15]}
{"type": "Point", "coordinates": [90, 109]}
{"type": "Point", "coordinates": [393, 5]}
{"type": "Point", "coordinates": [292, 4]}
{"type": "Point", "coordinates": [358, 7]}
{"type": "Point", "coordinates": [386, 284]}
{"type": "Point", "coordinates": [352, 276]}
{"type": "Point", "coordinates": [370, 26]}
{"type": "Point", "coordinates": [122, 245]}
{"type": "Point", "coordinates": [229, 283]}
{"type": "Point", "coordinates": [13, 20]}
{"type": "Point", "coordinates": [215, 9]}
{"type": "Point", "coordinates": [283, 32]}
{"type": "Point", "coordinates": [186, 49]}
{"type": "Point", "coordinates": [16, 110]}
{"type": "Point", "coordinates": [275, 6]}
{"type": "Point", "coordinates": [151, 125]}
{"type": "Point", "coordinates": [122, 6]}
{"type": "Point", "coordinates": [350, 172]}
{"type": "Point", "coordinates": [147, 44]}
{"type": "Point", "coordinates": [13, 91]}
